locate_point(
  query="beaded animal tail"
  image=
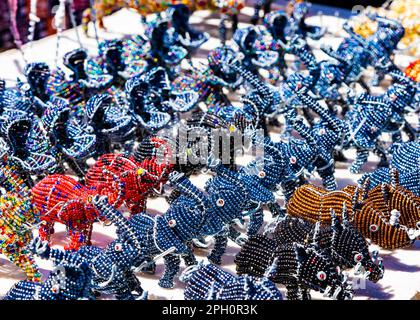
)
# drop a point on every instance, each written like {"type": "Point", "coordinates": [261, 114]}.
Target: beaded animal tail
{"type": "Point", "coordinates": [112, 214]}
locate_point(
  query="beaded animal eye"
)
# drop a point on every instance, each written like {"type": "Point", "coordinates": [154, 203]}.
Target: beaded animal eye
{"type": "Point", "coordinates": [358, 257]}
{"type": "Point", "coordinates": [220, 202]}
{"type": "Point", "coordinates": [118, 247]}
{"type": "Point", "coordinates": [55, 288]}
{"type": "Point", "coordinates": [293, 160]}
{"type": "Point", "coordinates": [321, 275]}
{"type": "Point", "coordinates": [172, 223]}
{"type": "Point", "coordinates": [322, 131]}
{"type": "Point", "coordinates": [373, 228]}
{"type": "Point", "coordinates": [261, 174]}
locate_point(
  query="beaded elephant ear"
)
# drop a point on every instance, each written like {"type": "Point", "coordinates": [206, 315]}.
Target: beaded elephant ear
{"type": "Point", "coordinates": [108, 120]}
{"type": "Point", "coordinates": [28, 144]}
{"type": "Point", "coordinates": [219, 60]}
{"type": "Point", "coordinates": [257, 46]}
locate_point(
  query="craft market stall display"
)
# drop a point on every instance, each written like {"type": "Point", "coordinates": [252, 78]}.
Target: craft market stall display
{"type": "Point", "coordinates": [211, 150]}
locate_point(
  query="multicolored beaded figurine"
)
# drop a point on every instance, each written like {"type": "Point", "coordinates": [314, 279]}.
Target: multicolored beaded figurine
{"type": "Point", "coordinates": [17, 219]}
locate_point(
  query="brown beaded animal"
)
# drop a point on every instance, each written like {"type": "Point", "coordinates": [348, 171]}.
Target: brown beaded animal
{"type": "Point", "coordinates": [388, 214]}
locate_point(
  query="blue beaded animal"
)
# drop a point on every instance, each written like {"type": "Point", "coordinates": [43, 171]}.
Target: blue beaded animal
{"type": "Point", "coordinates": [259, 49]}
{"type": "Point", "coordinates": [110, 123]}
{"type": "Point", "coordinates": [208, 282]}
{"type": "Point", "coordinates": [111, 268]}
{"type": "Point", "coordinates": [370, 116]}
{"type": "Point", "coordinates": [69, 280]}
{"type": "Point", "coordinates": [405, 159]}
{"type": "Point", "coordinates": [382, 43]}
{"type": "Point", "coordinates": [185, 35]}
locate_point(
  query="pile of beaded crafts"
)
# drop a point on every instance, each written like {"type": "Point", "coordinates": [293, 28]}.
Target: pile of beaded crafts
{"type": "Point", "coordinates": [243, 151]}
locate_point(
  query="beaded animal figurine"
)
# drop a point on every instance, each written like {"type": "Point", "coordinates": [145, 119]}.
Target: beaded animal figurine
{"type": "Point", "coordinates": [110, 269]}
{"type": "Point", "coordinates": [300, 268]}
{"type": "Point", "coordinates": [17, 219]}
{"type": "Point", "coordinates": [60, 198]}
{"type": "Point", "coordinates": [346, 245]}
{"type": "Point", "coordinates": [373, 115]}
{"type": "Point", "coordinates": [228, 9]}
{"type": "Point", "coordinates": [166, 236]}
{"type": "Point", "coordinates": [369, 211]}
{"type": "Point", "coordinates": [128, 180]}
{"type": "Point", "coordinates": [209, 81]}
{"type": "Point", "coordinates": [71, 141]}
{"type": "Point", "coordinates": [382, 43]}
{"type": "Point", "coordinates": [29, 147]}
{"type": "Point", "coordinates": [208, 282]}
{"type": "Point", "coordinates": [190, 38]}
{"type": "Point", "coordinates": [69, 280]}
{"type": "Point", "coordinates": [120, 58]}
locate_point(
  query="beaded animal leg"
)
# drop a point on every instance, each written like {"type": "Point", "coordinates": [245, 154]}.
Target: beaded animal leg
{"type": "Point", "coordinates": [77, 239]}
{"type": "Point", "coordinates": [293, 292]}
{"type": "Point", "coordinates": [46, 230]}
{"type": "Point", "coordinates": [235, 22]}
{"type": "Point", "coordinates": [381, 153]}
{"type": "Point", "coordinates": [361, 158]}
{"type": "Point", "coordinates": [256, 220]}
{"type": "Point", "coordinates": [276, 210]}
{"type": "Point", "coordinates": [172, 265]}
{"type": "Point", "coordinates": [306, 294]}
{"type": "Point", "coordinates": [328, 179]}
{"type": "Point", "coordinates": [190, 259]}
{"type": "Point", "coordinates": [410, 131]}
{"type": "Point", "coordinates": [219, 249]}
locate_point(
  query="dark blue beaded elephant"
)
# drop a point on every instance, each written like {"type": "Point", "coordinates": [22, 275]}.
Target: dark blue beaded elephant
{"type": "Point", "coordinates": [259, 49]}
{"type": "Point", "coordinates": [69, 280]}
{"type": "Point", "coordinates": [111, 268]}
{"type": "Point", "coordinates": [208, 282]}
{"type": "Point", "coordinates": [405, 158]}
{"type": "Point", "coordinates": [382, 43]}
{"type": "Point", "coordinates": [371, 116]}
